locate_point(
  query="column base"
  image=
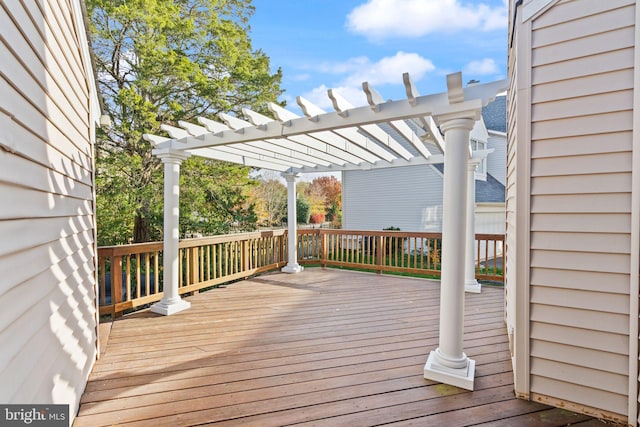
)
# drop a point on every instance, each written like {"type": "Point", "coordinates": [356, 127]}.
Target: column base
{"type": "Point", "coordinates": [161, 307]}
{"type": "Point", "coordinates": [461, 377]}
{"type": "Point", "coordinates": [472, 286]}
{"type": "Point", "coordinates": [292, 268]}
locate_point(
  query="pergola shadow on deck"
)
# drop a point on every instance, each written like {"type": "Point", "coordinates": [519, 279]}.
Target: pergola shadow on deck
{"type": "Point", "coordinates": [325, 347]}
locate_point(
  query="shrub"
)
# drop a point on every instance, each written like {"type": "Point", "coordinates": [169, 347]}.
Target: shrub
{"type": "Point", "coordinates": [302, 210]}
{"type": "Point", "coordinates": [316, 218]}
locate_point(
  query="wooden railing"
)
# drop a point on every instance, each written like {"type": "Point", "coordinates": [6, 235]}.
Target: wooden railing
{"type": "Point", "coordinates": [130, 276]}
{"type": "Point", "coordinates": [394, 251]}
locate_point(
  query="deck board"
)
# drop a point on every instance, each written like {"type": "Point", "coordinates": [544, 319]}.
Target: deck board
{"type": "Point", "coordinates": [321, 348]}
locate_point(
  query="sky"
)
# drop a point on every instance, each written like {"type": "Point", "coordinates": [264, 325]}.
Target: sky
{"type": "Point", "coordinates": [338, 44]}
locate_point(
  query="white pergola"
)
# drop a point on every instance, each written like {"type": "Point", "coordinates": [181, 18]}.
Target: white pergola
{"type": "Point", "coordinates": [352, 138]}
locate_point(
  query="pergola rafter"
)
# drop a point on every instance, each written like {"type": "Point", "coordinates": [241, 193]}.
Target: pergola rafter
{"type": "Point", "coordinates": [383, 134]}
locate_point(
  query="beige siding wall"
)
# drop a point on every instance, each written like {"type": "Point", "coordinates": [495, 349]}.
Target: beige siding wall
{"type": "Point", "coordinates": [48, 316]}
{"type": "Point", "coordinates": [581, 122]}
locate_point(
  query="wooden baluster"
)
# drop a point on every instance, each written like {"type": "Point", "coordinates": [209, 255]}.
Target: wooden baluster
{"type": "Point", "coordinates": [380, 252]}
{"type": "Point", "coordinates": [208, 261]}
{"type": "Point", "coordinates": [187, 267]}
{"type": "Point", "coordinates": [156, 272]}
{"type": "Point", "coordinates": [147, 273]}
{"type": "Point", "coordinates": [138, 275]}
{"type": "Point", "coordinates": [201, 258]}
{"type": "Point", "coordinates": [180, 255]}
{"type": "Point", "coordinates": [245, 255]}
{"type": "Point", "coordinates": [478, 262]}
{"type": "Point", "coordinates": [194, 267]}
{"type": "Point", "coordinates": [102, 264]}
{"type": "Point", "coordinates": [128, 279]}
{"type": "Point", "coordinates": [324, 249]}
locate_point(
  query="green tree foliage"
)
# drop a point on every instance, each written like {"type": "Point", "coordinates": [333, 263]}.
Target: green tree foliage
{"type": "Point", "coordinates": [303, 210]}
{"type": "Point", "coordinates": [161, 61]}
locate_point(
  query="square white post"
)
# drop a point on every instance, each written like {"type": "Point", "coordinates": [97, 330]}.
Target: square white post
{"type": "Point", "coordinates": [448, 363]}
{"type": "Point", "coordinates": [292, 238]}
{"type": "Point", "coordinates": [171, 302]}
{"type": "Point", "coordinates": [470, 282]}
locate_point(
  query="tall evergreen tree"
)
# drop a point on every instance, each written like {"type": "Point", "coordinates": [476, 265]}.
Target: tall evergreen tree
{"type": "Point", "coordinates": [161, 61]}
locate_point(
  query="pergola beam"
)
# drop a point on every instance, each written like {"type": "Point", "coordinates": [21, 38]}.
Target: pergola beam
{"type": "Point", "coordinates": [420, 107]}
{"type": "Point", "coordinates": [341, 105]}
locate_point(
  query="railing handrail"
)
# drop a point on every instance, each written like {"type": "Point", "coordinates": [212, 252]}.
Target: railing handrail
{"type": "Point", "coordinates": [225, 238]}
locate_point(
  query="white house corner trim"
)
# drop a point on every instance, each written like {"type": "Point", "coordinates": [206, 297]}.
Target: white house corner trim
{"type": "Point", "coordinates": [634, 285]}
{"type": "Point", "coordinates": [535, 8]}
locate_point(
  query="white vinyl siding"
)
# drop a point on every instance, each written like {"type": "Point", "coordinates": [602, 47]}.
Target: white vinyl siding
{"type": "Point", "coordinates": [47, 225]}
{"type": "Point", "coordinates": [409, 198]}
{"type": "Point", "coordinates": [581, 122]}
{"type": "Point", "coordinates": [496, 161]}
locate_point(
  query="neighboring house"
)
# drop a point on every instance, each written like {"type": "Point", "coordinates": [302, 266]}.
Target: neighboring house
{"type": "Point", "coordinates": [410, 198]}
{"type": "Point", "coordinates": [573, 204]}
{"type": "Point", "coordinates": [48, 109]}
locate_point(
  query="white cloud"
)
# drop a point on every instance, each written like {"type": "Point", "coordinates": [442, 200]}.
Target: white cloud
{"type": "Point", "coordinates": [360, 69]}
{"type": "Point", "coordinates": [390, 69]}
{"type": "Point", "coordinates": [482, 67]}
{"type": "Point", "coordinates": [416, 18]}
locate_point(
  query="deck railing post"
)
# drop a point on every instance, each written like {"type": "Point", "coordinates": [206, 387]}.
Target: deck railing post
{"type": "Point", "coordinates": [171, 302]}
{"type": "Point", "coordinates": [448, 363]}
{"type": "Point", "coordinates": [380, 252]}
{"type": "Point", "coordinates": [324, 249]}
{"type": "Point", "coordinates": [116, 283]}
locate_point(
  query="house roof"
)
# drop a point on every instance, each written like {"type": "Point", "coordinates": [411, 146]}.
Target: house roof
{"type": "Point", "coordinates": [489, 191]}
{"type": "Point", "coordinates": [494, 114]}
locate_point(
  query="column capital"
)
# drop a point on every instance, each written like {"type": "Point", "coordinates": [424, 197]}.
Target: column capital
{"type": "Point", "coordinates": [464, 122]}
{"type": "Point", "coordinates": [290, 176]}
{"type": "Point", "coordinates": [168, 155]}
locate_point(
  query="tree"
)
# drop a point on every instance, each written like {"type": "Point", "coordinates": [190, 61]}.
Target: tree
{"type": "Point", "coordinates": [303, 210]}
{"type": "Point", "coordinates": [161, 61]}
{"type": "Point", "coordinates": [207, 207]}
{"type": "Point", "coordinates": [270, 197]}
{"type": "Point", "coordinates": [329, 190]}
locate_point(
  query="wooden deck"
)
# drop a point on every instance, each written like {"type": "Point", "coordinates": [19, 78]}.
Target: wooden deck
{"type": "Point", "coordinates": [324, 348]}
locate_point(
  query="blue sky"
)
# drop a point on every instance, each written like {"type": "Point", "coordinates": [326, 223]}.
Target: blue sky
{"type": "Point", "coordinates": [338, 44]}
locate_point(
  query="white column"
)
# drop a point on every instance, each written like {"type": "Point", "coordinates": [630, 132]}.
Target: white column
{"type": "Point", "coordinates": [171, 302]}
{"type": "Point", "coordinates": [292, 243]}
{"type": "Point", "coordinates": [470, 282]}
{"type": "Point", "coordinates": [448, 363]}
